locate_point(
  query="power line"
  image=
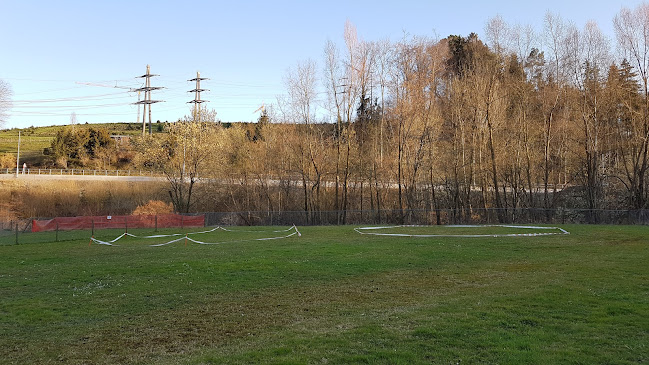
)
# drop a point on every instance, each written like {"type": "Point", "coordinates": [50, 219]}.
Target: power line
{"type": "Point", "coordinates": [233, 95]}
{"type": "Point", "coordinates": [28, 103]}
{"type": "Point", "coordinates": [72, 106]}
{"type": "Point", "coordinates": [61, 114]}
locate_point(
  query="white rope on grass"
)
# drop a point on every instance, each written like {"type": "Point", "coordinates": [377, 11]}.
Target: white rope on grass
{"type": "Point", "coordinates": [361, 230]}
{"type": "Point", "coordinates": [297, 232]}
{"type": "Point", "coordinates": [185, 236]}
{"type": "Point", "coordinates": [278, 231]}
{"type": "Point", "coordinates": [115, 240]}
{"type": "Point", "coordinates": [107, 243]}
{"type": "Point", "coordinates": [166, 243]}
{"type": "Point", "coordinates": [170, 235]}
{"type": "Point", "coordinates": [252, 239]}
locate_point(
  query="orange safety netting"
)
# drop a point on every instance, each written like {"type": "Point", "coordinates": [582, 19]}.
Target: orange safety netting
{"type": "Point", "coordinates": [118, 221]}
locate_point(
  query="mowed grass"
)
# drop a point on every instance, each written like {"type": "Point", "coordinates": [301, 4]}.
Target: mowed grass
{"type": "Point", "coordinates": [330, 296]}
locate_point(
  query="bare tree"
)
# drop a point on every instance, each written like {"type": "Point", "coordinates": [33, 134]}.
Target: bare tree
{"type": "Point", "coordinates": [419, 68]}
{"type": "Point", "coordinates": [632, 31]}
{"type": "Point", "coordinates": [552, 98]}
{"type": "Point", "coordinates": [497, 34]}
{"type": "Point", "coordinates": [523, 40]}
{"type": "Point", "coordinates": [186, 155]}
{"type": "Point", "coordinates": [347, 83]}
{"type": "Point", "coordinates": [514, 47]}
{"type": "Point", "coordinates": [301, 85]}
{"type": "Point", "coordinates": [509, 40]}
{"type": "Point", "coordinates": [384, 62]}
{"type": "Point", "coordinates": [354, 68]}
{"type": "Point", "coordinates": [524, 80]}
{"type": "Point", "coordinates": [307, 143]}
{"type": "Point", "coordinates": [334, 80]}
{"type": "Point", "coordinates": [588, 62]}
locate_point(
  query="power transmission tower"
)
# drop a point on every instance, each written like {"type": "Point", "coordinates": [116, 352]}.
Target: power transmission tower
{"type": "Point", "coordinates": [197, 95]}
{"type": "Point", "coordinates": [147, 98]}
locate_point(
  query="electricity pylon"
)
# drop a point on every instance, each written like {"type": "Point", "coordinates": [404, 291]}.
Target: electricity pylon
{"type": "Point", "coordinates": [147, 98]}
{"type": "Point", "coordinates": [197, 95]}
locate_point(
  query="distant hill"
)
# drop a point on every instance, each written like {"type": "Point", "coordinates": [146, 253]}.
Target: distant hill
{"type": "Point", "coordinates": [34, 139]}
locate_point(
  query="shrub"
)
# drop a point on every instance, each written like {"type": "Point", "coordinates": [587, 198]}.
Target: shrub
{"type": "Point", "coordinates": [153, 207]}
{"type": "Point", "coordinates": [7, 161]}
{"type": "Point", "coordinates": [79, 145]}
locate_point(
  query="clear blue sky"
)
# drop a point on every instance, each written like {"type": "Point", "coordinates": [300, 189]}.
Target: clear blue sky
{"type": "Point", "coordinates": [244, 47]}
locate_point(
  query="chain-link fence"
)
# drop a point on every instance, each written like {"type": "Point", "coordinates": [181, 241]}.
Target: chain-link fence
{"type": "Point", "coordinates": [20, 231]}
{"type": "Point", "coordinates": [432, 217]}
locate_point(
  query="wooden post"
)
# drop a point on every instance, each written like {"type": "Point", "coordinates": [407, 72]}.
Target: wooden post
{"type": "Point", "coordinates": [57, 232]}
{"type": "Point", "coordinates": [16, 232]}
{"type": "Point", "coordinates": [93, 226]}
{"type": "Point", "coordinates": [18, 157]}
{"type": "Point", "coordinates": [156, 223]}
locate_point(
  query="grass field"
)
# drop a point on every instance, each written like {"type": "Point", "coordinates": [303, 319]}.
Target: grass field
{"type": "Point", "coordinates": [331, 296]}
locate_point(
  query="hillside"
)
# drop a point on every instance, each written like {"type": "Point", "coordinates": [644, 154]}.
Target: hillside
{"type": "Point", "coordinates": [34, 140]}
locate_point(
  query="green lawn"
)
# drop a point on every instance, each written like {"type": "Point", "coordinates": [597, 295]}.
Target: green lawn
{"type": "Point", "coordinates": [331, 296]}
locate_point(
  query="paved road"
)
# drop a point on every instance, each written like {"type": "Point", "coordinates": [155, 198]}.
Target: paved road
{"type": "Point", "coordinates": [77, 177]}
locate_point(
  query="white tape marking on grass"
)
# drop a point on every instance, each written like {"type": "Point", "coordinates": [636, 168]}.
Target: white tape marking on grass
{"type": "Point", "coordinates": [186, 236]}
{"type": "Point", "coordinates": [278, 231]}
{"type": "Point", "coordinates": [115, 240]}
{"type": "Point", "coordinates": [172, 234]}
{"type": "Point", "coordinates": [252, 239]}
{"type": "Point", "coordinates": [562, 231]}
{"type": "Point", "coordinates": [109, 243]}
{"type": "Point", "coordinates": [166, 243]}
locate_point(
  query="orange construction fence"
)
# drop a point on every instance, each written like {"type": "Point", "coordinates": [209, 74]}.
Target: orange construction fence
{"type": "Point", "coordinates": [118, 221]}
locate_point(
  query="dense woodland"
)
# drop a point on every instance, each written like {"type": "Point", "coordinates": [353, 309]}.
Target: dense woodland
{"type": "Point", "coordinates": [515, 119]}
